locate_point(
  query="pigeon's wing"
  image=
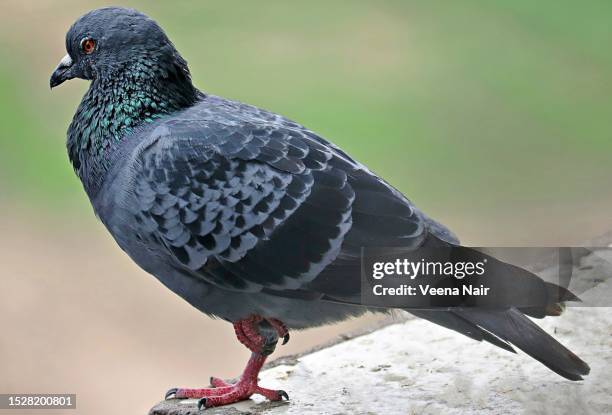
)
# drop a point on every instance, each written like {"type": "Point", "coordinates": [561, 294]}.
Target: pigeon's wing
{"type": "Point", "coordinates": [254, 206]}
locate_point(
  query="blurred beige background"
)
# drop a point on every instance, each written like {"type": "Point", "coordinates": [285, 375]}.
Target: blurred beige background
{"type": "Point", "coordinates": [493, 117]}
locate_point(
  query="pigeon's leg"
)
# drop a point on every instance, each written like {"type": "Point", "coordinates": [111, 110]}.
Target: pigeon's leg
{"type": "Point", "coordinates": [260, 336]}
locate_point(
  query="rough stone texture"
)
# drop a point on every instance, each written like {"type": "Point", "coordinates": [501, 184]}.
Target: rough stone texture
{"type": "Point", "coordinates": [417, 367]}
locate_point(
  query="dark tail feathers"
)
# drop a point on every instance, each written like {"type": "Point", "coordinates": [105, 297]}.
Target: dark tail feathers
{"type": "Point", "coordinates": [514, 327]}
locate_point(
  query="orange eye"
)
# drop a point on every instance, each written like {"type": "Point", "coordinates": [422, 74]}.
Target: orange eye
{"type": "Point", "coordinates": [88, 45]}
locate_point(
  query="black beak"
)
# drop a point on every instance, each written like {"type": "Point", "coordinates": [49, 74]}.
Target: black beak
{"type": "Point", "coordinates": [62, 73]}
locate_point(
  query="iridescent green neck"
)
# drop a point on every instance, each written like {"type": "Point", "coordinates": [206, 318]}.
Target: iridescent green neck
{"type": "Point", "coordinates": [115, 105]}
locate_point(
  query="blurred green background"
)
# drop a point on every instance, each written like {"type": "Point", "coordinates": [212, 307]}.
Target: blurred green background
{"type": "Point", "coordinates": [492, 116]}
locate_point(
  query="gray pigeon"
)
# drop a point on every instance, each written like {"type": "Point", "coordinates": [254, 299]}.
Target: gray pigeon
{"type": "Point", "coordinates": [248, 216]}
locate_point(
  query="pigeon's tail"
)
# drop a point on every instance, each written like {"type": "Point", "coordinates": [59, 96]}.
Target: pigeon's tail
{"type": "Point", "coordinates": [500, 317]}
{"type": "Point", "coordinates": [514, 327]}
{"type": "Point", "coordinates": [507, 326]}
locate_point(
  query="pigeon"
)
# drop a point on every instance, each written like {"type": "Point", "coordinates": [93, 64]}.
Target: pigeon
{"type": "Point", "coordinates": [248, 216]}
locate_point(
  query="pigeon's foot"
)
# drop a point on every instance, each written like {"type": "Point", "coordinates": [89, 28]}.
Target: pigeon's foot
{"type": "Point", "coordinates": [258, 334]}
{"type": "Point", "coordinates": [224, 393]}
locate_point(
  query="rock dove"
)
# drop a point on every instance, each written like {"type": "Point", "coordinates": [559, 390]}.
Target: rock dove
{"type": "Point", "coordinates": [245, 214]}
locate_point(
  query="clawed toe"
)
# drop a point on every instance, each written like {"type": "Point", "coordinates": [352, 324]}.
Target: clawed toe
{"type": "Point", "coordinates": [216, 382]}
{"type": "Point", "coordinates": [271, 394]}
{"type": "Point", "coordinates": [202, 404]}
{"type": "Point", "coordinates": [170, 394]}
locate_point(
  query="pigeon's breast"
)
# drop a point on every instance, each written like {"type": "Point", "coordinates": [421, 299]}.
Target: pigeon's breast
{"type": "Point", "coordinates": [115, 202]}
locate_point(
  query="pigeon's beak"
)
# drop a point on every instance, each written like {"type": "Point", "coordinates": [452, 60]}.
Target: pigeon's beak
{"type": "Point", "coordinates": [62, 73]}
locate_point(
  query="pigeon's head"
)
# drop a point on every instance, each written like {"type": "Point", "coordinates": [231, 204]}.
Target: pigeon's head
{"type": "Point", "coordinates": [108, 41]}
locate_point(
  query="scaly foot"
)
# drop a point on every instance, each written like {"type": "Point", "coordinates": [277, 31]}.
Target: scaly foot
{"type": "Point", "coordinates": [224, 393]}
{"type": "Point", "coordinates": [259, 335]}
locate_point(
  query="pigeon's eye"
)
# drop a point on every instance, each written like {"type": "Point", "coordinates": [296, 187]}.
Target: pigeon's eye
{"type": "Point", "coordinates": [88, 45]}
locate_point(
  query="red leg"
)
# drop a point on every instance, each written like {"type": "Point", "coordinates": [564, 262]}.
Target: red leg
{"type": "Point", "coordinates": [223, 393]}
